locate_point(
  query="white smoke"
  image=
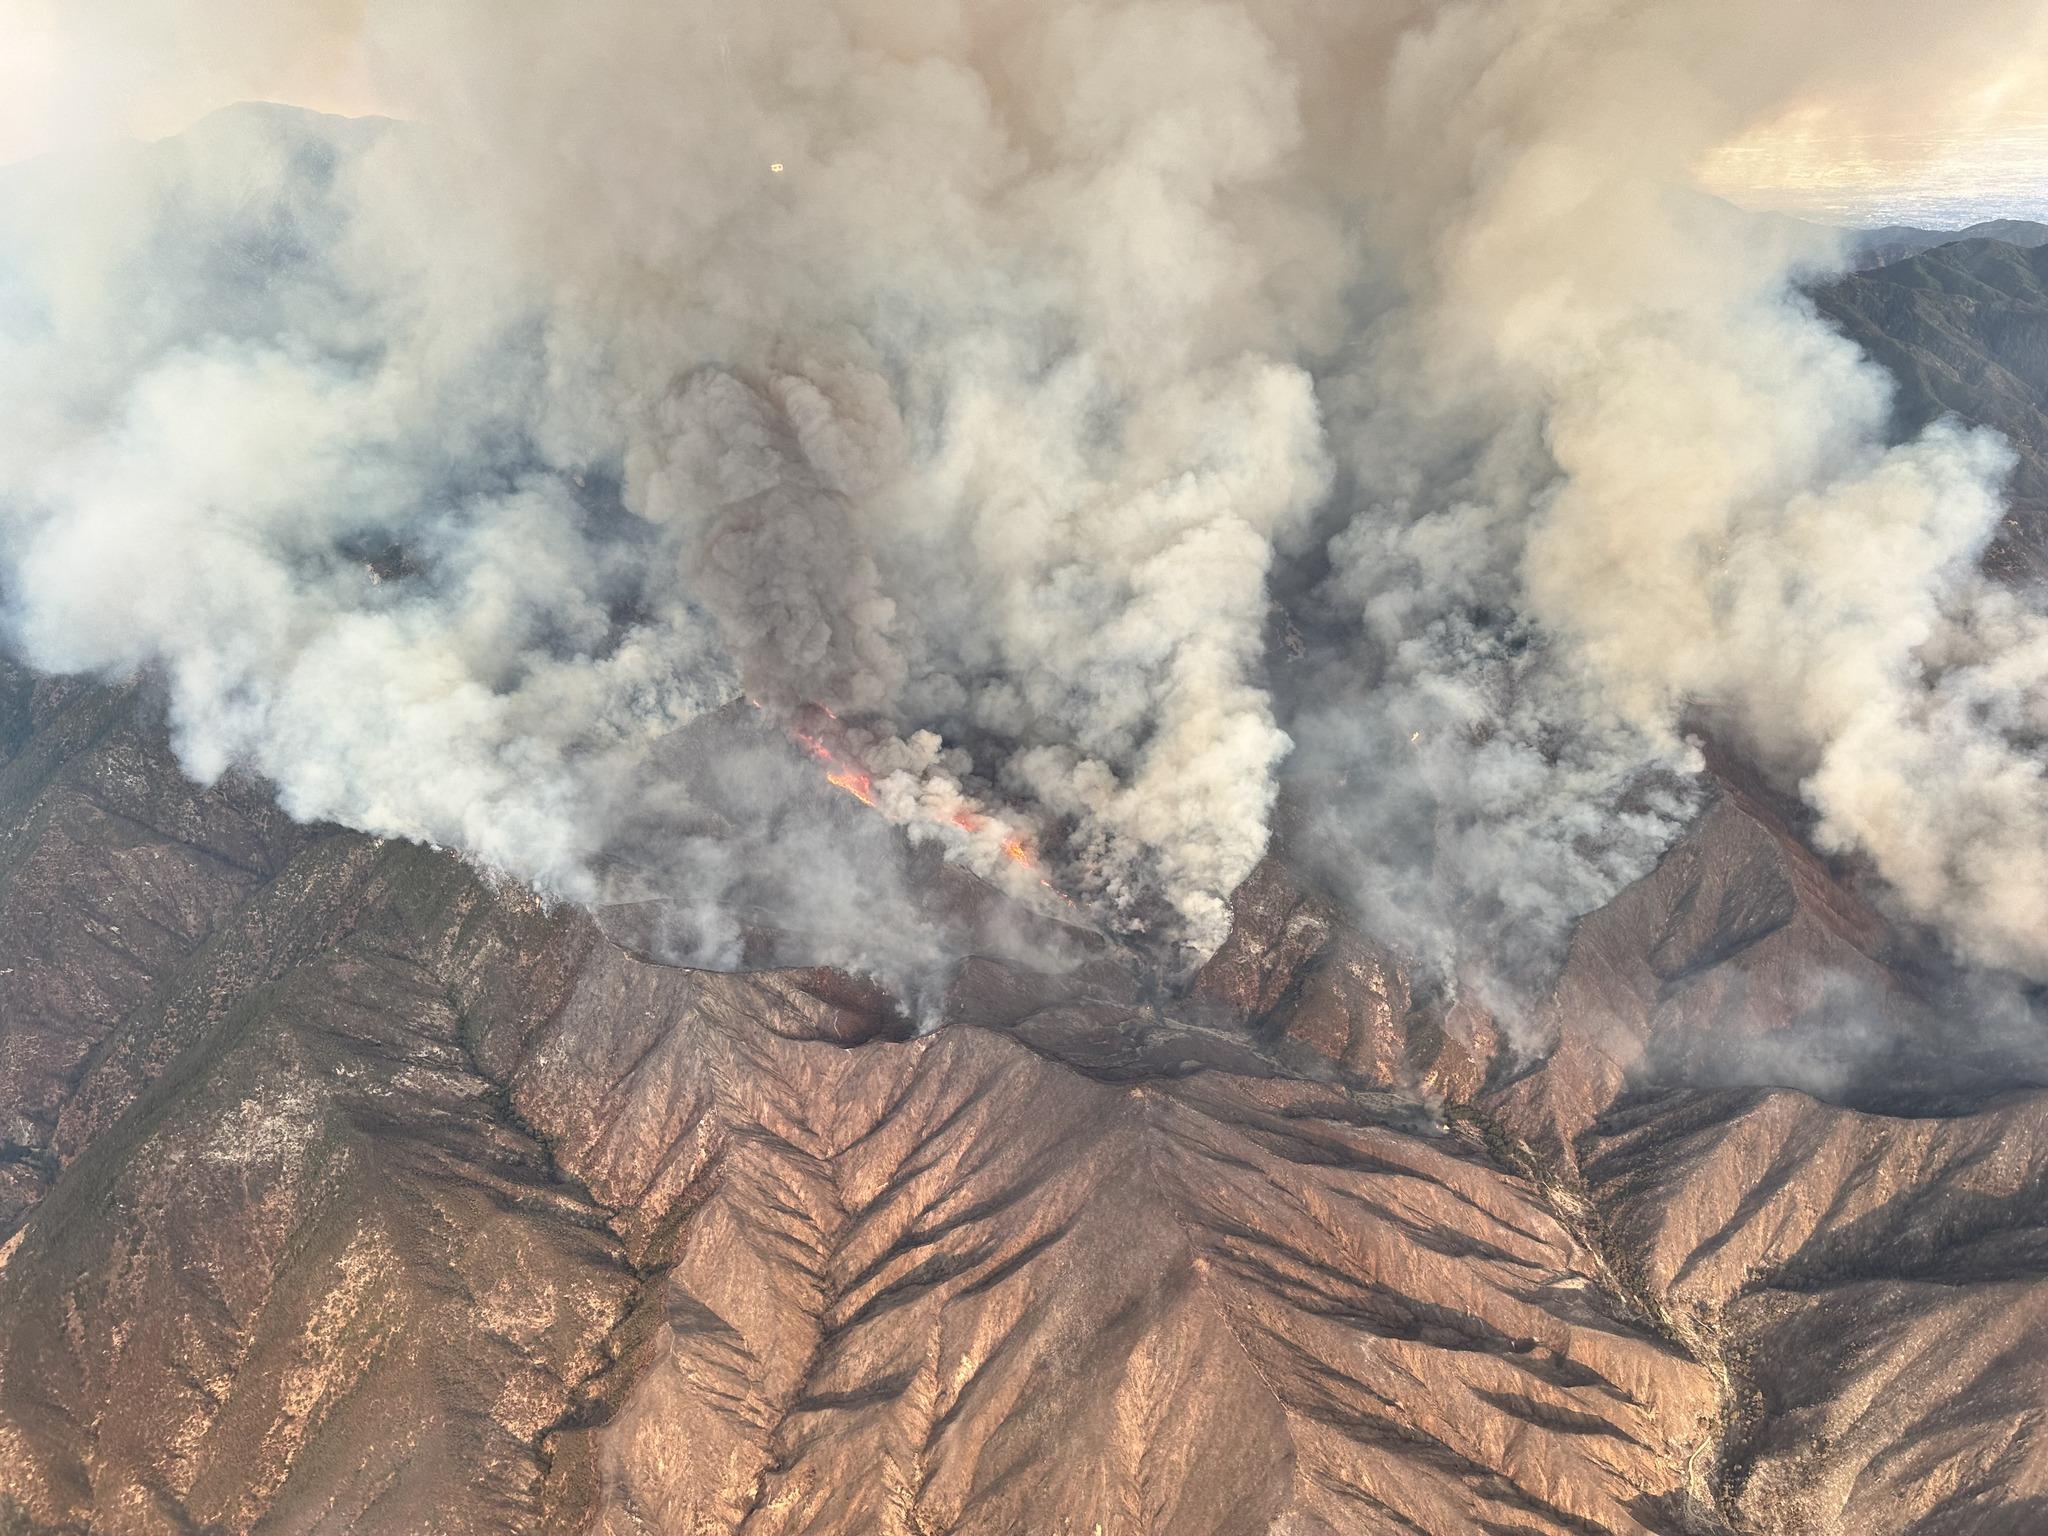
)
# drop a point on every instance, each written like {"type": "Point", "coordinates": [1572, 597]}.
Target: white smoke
{"type": "Point", "coordinates": [1713, 528]}
{"type": "Point", "coordinates": [967, 368]}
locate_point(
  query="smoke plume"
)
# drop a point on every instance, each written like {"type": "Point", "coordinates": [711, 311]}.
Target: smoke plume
{"type": "Point", "coordinates": [1005, 384]}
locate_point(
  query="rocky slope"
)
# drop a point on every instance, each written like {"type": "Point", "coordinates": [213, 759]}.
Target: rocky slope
{"type": "Point", "coordinates": [352, 1194]}
{"type": "Point", "coordinates": [1858, 1261]}
{"type": "Point", "coordinates": [342, 1191]}
{"type": "Point", "coordinates": [369, 1198]}
{"type": "Point", "coordinates": [1963, 328]}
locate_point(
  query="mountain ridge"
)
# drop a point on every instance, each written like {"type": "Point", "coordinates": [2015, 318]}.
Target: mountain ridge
{"type": "Point", "coordinates": [344, 1189]}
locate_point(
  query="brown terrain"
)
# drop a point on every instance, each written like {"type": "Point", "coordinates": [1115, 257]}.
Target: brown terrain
{"type": "Point", "coordinates": [341, 1191]}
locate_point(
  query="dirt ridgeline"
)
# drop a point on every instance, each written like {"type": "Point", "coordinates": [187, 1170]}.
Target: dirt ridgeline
{"type": "Point", "coordinates": [345, 1193]}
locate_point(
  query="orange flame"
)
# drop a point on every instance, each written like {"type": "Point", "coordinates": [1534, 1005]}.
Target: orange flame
{"type": "Point", "coordinates": [848, 776]}
{"type": "Point", "coordinates": [855, 780]}
{"type": "Point", "coordinates": [858, 785]}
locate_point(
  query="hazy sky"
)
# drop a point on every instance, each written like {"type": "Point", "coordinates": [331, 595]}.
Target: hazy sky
{"type": "Point", "coordinates": [65, 80]}
{"type": "Point", "coordinates": [1978, 164]}
{"type": "Point", "coordinates": [75, 73]}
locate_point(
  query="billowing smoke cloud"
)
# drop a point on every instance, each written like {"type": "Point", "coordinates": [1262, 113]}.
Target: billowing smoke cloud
{"type": "Point", "coordinates": [1714, 529]}
{"type": "Point", "coordinates": [963, 374]}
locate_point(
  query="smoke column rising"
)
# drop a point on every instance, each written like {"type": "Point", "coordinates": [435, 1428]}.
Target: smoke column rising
{"type": "Point", "coordinates": [444, 470]}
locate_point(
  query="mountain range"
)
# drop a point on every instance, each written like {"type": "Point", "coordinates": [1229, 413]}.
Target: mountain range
{"type": "Point", "coordinates": [343, 1189]}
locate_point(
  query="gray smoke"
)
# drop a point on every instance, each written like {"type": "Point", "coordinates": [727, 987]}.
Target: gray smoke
{"type": "Point", "coordinates": [968, 370]}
